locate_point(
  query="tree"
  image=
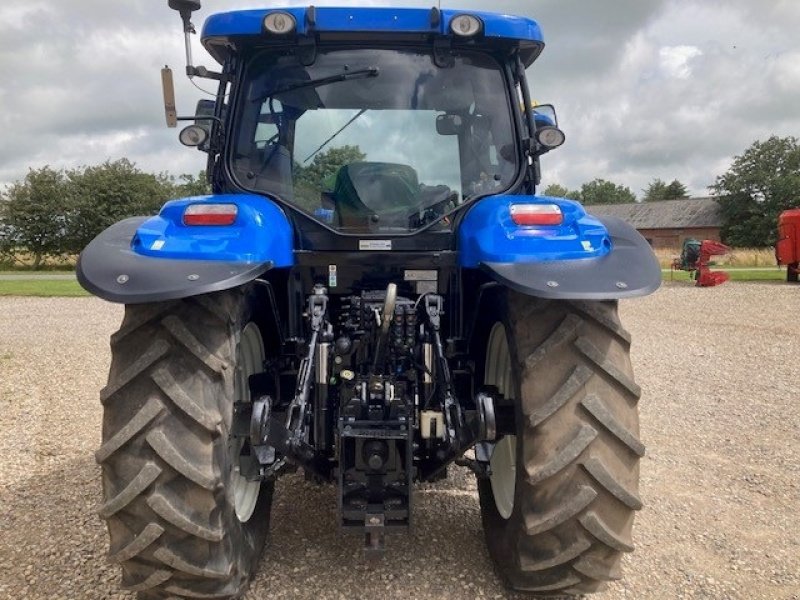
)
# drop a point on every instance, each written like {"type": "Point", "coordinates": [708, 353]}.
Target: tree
{"type": "Point", "coordinates": [658, 190]}
{"type": "Point", "coordinates": [110, 192]}
{"type": "Point", "coordinates": [676, 191]}
{"type": "Point", "coordinates": [655, 191]}
{"type": "Point", "coordinates": [601, 191]}
{"type": "Point", "coordinates": [53, 213]}
{"type": "Point", "coordinates": [32, 213]}
{"type": "Point", "coordinates": [559, 191]}
{"type": "Point", "coordinates": [758, 186]}
{"type": "Point", "coordinates": [190, 185]}
{"type": "Point", "coordinates": [310, 181]}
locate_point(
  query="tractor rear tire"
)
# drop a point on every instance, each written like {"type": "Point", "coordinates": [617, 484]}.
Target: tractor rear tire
{"type": "Point", "coordinates": [793, 272]}
{"type": "Point", "coordinates": [559, 507]}
{"type": "Point", "coordinates": [182, 522]}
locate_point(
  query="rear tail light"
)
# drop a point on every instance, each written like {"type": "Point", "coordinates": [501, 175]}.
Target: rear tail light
{"type": "Point", "coordinates": [536, 214]}
{"type": "Point", "coordinates": [210, 214]}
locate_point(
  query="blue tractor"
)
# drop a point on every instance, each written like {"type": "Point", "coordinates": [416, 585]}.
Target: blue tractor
{"type": "Point", "coordinates": [374, 294]}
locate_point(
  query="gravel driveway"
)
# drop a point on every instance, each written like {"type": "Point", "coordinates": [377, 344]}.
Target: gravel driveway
{"type": "Point", "coordinates": [720, 372]}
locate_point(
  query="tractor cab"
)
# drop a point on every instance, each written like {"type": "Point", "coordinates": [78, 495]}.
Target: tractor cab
{"type": "Point", "coordinates": [373, 121]}
{"type": "Point", "coordinates": [377, 108]}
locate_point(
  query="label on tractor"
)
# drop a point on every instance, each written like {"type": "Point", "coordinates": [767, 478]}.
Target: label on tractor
{"type": "Point", "coordinates": [374, 244]}
{"type": "Point", "coordinates": [418, 275]}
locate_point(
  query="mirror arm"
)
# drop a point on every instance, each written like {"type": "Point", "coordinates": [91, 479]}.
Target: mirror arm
{"type": "Point", "coordinates": [217, 120]}
{"type": "Point", "coordinates": [192, 71]}
{"type": "Point", "coordinates": [443, 52]}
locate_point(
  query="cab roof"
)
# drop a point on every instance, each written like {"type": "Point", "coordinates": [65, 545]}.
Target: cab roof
{"type": "Point", "coordinates": [246, 27]}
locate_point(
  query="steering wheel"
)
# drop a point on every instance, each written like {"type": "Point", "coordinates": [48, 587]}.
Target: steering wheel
{"type": "Point", "coordinates": [434, 208]}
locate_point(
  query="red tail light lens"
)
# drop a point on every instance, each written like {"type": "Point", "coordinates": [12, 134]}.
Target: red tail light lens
{"type": "Point", "coordinates": [210, 214]}
{"type": "Point", "coordinates": [536, 214]}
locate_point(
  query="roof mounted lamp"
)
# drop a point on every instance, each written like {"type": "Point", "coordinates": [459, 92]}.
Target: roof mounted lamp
{"type": "Point", "coordinates": [279, 23]}
{"type": "Point", "coordinates": [466, 26]}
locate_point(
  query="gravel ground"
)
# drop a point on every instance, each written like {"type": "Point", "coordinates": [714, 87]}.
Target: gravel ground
{"type": "Point", "coordinates": [719, 371]}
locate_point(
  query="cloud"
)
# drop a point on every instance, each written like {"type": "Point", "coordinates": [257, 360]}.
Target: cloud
{"type": "Point", "coordinates": [695, 84]}
{"type": "Point", "coordinates": [644, 88]}
{"type": "Point", "coordinates": [676, 60]}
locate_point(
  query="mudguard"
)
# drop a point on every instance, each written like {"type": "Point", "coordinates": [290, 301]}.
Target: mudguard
{"type": "Point", "coordinates": [152, 259]}
{"type": "Point", "coordinates": [583, 258]}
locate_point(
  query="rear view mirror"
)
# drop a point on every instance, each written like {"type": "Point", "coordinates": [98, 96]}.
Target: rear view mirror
{"type": "Point", "coordinates": [449, 124]}
{"type": "Point", "coordinates": [205, 109]}
{"type": "Point", "coordinates": [544, 115]}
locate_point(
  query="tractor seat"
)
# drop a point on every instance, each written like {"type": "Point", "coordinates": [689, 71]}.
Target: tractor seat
{"type": "Point", "coordinates": [370, 195]}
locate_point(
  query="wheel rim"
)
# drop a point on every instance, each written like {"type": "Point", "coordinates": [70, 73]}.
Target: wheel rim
{"type": "Point", "coordinates": [249, 360]}
{"type": "Point", "coordinates": [498, 372]}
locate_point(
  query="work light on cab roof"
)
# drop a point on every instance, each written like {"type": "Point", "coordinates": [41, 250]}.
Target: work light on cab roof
{"type": "Point", "coordinates": [466, 25]}
{"type": "Point", "coordinates": [279, 23]}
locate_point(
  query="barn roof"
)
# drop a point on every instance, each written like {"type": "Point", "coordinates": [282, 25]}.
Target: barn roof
{"type": "Point", "coordinates": [667, 214]}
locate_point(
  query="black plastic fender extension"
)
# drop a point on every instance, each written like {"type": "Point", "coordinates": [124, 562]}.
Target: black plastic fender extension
{"type": "Point", "coordinates": [629, 270]}
{"type": "Point", "coordinates": [108, 268]}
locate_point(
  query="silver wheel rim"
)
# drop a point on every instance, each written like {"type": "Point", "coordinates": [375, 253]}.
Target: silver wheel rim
{"type": "Point", "coordinates": [498, 372]}
{"type": "Point", "coordinates": [249, 360]}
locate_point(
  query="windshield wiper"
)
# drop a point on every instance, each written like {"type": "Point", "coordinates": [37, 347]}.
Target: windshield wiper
{"type": "Point", "coordinates": [344, 76]}
{"type": "Point", "coordinates": [330, 139]}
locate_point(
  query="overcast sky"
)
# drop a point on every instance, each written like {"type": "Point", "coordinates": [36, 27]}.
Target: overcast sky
{"type": "Point", "coordinates": [644, 88]}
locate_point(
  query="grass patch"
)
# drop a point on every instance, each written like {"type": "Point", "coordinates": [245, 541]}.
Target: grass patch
{"type": "Point", "coordinates": [25, 269]}
{"type": "Point", "coordinates": [28, 273]}
{"type": "Point", "coordinates": [738, 257]}
{"type": "Point", "coordinates": [772, 274]}
{"type": "Point", "coordinates": [42, 288]}
{"type": "Point", "coordinates": [757, 275]}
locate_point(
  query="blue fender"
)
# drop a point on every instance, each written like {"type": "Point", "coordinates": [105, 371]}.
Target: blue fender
{"type": "Point", "coordinates": [152, 259]}
{"type": "Point", "coordinates": [583, 258]}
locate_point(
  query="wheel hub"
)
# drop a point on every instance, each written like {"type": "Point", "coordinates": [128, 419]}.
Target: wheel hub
{"type": "Point", "coordinates": [498, 372]}
{"type": "Point", "coordinates": [249, 360]}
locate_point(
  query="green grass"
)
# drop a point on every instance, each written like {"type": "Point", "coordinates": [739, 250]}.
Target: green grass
{"type": "Point", "coordinates": [49, 288]}
{"type": "Point", "coordinates": [43, 288]}
{"type": "Point", "coordinates": [759, 275]}
{"type": "Point", "coordinates": [772, 274]}
{"type": "Point", "coordinates": [32, 274]}
{"type": "Point", "coordinates": [8, 269]}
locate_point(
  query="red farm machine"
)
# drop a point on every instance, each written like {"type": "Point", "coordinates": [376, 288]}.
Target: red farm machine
{"type": "Point", "coordinates": [787, 250]}
{"type": "Point", "coordinates": [696, 259]}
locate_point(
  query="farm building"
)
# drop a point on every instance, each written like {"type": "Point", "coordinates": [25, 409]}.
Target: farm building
{"type": "Point", "coordinates": [668, 223]}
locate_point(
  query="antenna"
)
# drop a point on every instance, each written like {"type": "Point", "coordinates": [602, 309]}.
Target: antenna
{"type": "Point", "coordinates": [186, 8]}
